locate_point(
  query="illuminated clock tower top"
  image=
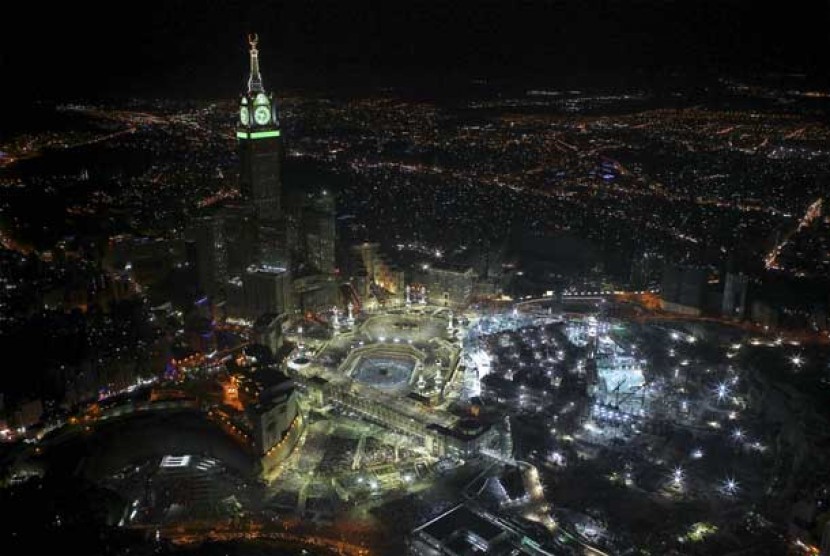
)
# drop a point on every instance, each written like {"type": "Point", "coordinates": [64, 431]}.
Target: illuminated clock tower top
{"type": "Point", "coordinates": [257, 110]}
{"type": "Point", "coordinates": [259, 141]}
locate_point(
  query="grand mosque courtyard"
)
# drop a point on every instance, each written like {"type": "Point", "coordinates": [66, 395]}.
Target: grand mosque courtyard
{"type": "Point", "coordinates": [607, 422]}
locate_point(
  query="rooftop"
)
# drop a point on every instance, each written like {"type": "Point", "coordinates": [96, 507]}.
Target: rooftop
{"type": "Point", "coordinates": [462, 519]}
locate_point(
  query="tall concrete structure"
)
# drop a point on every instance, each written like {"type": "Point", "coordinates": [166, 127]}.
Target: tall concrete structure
{"type": "Point", "coordinates": [267, 331]}
{"type": "Point", "coordinates": [734, 296]}
{"type": "Point", "coordinates": [273, 244]}
{"type": "Point", "coordinates": [249, 253]}
{"type": "Point", "coordinates": [449, 284]}
{"type": "Point", "coordinates": [260, 144]}
{"type": "Point", "coordinates": [643, 269]}
{"type": "Point", "coordinates": [373, 275]}
{"type": "Point", "coordinates": [683, 289]}
{"type": "Point", "coordinates": [267, 290]}
{"type": "Point", "coordinates": [241, 234]}
{"type": "Point", "coordinates": [211, 253]}
{"type": "Point", "coordinates": [825, 540]}
{"type": "Point", "coordinates": [318, 231]}
{"type": "Point", "coordinates": [314, 291]}
{"type": "Point", "coordinates": [273, 413]}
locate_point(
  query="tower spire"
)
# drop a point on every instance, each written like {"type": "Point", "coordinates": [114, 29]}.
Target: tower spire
{"type": "Point", "coordinates": [255, 79]}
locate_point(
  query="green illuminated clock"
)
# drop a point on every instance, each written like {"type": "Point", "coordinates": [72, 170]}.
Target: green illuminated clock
{"type": "Point", "coordinates": [244, 117]}
{"type": "Point", "coordinates": [262, 114]}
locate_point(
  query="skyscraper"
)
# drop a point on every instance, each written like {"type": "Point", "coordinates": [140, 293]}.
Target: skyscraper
{"type": "Point", "coordinates": [211, 253]}
{"type": "Point", "coordinates": [734, 296]}
{"type": "Point", "coordinates": [319, 232]}
{"type": "Point", "coordinates": [260, 144]}
{"type": "Point", "coordinates": [683, 289]}
{"type": "Point", "coordinates": [273, 252]}
{"type": "Point", "coordinates": [267, 290]}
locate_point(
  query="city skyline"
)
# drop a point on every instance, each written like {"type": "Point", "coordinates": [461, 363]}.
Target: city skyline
{"type": "Point", "coordinates": [543, 279]}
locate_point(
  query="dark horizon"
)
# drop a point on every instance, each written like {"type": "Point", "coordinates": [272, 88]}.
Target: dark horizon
{"type": "Point", "coordinates": [186, 50]}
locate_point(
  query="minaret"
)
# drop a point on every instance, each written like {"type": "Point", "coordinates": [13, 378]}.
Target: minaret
{"type": "Point", "coordinates": [260, 145]}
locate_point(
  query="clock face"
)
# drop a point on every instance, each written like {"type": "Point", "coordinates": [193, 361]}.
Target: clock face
{"type": "Point", "coordinates": [243, 115]}
{"type": "Point", "coordinates": [262, 114]}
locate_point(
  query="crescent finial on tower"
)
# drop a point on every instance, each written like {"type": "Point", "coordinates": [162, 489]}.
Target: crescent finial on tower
{"type": "Point", "coordinates": [255, 79]}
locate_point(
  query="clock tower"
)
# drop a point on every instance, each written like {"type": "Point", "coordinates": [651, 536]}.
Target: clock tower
{"type": "Point", "coordinates": [260, 144]}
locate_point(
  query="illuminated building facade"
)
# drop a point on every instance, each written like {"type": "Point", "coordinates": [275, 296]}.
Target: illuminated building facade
{"type": "Point", "coordinates": [373, 275]}
{"type": "Point", "coordinates": [274, 415]}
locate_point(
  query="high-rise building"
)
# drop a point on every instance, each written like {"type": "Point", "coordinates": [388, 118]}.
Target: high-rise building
{"type": "Point", "coordinates": [260, 144]}
{"type": "Point", "coordinates": [372, 275]}
{"type": "Point", "coordinates": [274, 412]}
{"type": "Point", "coordinates": [319, 232]}
{"type": "Point", "coordinates": [267, 290]}
{"type": "Point", "coordinates": [644, 267]}
{"type": "Point", "coordinates": [825, 539]}
{"type": "Point", "coordinates": [267, 331]}
{"type": "Point", "coordinates": [274, 243]}
{"type": "Point", "coordinates": [211, 254]}
{"type": "Point", "coordinates": [241, 235]}
{"type": "Point", "coordinates": [252, 252]}
{"type": "Point", "coordinates": [314, 292]}
{"type": "Point", "coordinates": [684, 289]}
{"type": "Point", "coordinates": [734, 295]}
{"type": "Point", "coordinates": [449, 284]}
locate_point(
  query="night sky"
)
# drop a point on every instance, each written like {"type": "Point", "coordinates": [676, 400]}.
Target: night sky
{"type": "Point", "coordinates": [179, 48]}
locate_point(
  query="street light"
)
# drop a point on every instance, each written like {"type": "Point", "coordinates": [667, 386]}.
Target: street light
{"type": "Point", "coordinates": [722, 391]}
{"type": "Point", "coordinates": [677, 476]}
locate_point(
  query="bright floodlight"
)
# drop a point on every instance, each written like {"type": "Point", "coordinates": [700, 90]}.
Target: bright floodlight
{"type": "Point", "coordinates": [722, 391]}
{"type": "Point", "coordinates": [677, 475]}
{"type": "Point", "coordinates": [697, 453]}
{"type": "Point", "coordinates": [730, 486]}
{"type": "Point", "coordinates": [737, 434]}
{"type": "Point", "coordinates": [797, 360]}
